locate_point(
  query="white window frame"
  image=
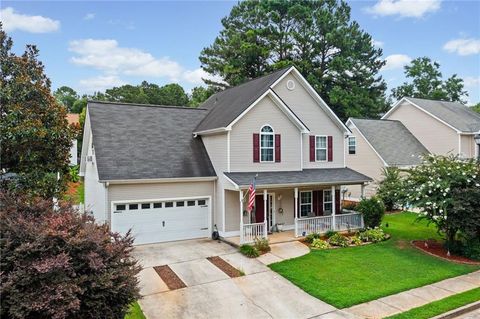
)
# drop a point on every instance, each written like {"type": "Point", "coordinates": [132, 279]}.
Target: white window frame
{"type": "Point", "coordinates": [272, 134]}
{"type": "Point", "coordinates": [321, 148]}
{"type": "Point", "coordinates": [327, 202]}
{"type": "Point", "coordinates": [305, 204]}
{"type": "Point", "coordinates": [354, 139]}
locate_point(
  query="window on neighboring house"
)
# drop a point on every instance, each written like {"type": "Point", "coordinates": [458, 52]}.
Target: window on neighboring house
{"type": "Point", "coordinates": [305, 203]}
{"type": "Point", "coordinates": [352, 145]}
{"type": "Point", "coordinates": [321, 148]}
{"type": "Point", "coordinates": [327, 201]}
{"type": "Point", "coordinates": [267, 145]}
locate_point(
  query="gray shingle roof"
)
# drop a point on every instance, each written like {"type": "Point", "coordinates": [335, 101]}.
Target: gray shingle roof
{"type": "Point", "coordinates": [227, 105]}
{"type": "Point", "coordinates": [319, 176]}
{"type": "Point", "coordinates": [147, 142]}
{"type": "Point", "coordinates": [392, 141]}
{"type": "Point", "coordinates": [456, 114]}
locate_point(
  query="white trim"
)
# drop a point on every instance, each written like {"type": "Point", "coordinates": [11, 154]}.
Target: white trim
{"type": "Point", "coordinates": [301, 151]}
{"type": "Point", "coordinates": [272, 133]}
{"type": "Point", "coordinates": [459, 144]}
{"type": "Point", "coordinates": [211, 131]}
{"type": "Point", "coordinates": [326, 149]}
{"type": "Point", "coordinates": [345, 137]}
{"type": "Point", "coordinates": [228, 151]}
{"type": "Point", "coordinates": [160, 180]}
{"type": "Point", "coordinates": [87, 135]}
{"type": "Point", "coordinates": [313, 93]}
{"type": "Point", "coordinates": [371, 146]}
{"type": "Point", "coordinates": [233, 183]}
{"type": "Point", "coordinates": [421, 109]}
{"type": "Point", "coordinates": [304, 184]}
{"type": "Point", "coordinates": [300, 203]}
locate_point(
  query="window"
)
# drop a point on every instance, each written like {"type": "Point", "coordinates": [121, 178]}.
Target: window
{"type": "Point", "coordinates": [305, 203]}
{"type": "Point", "coordinates": [191, 203]}
{"type": "Point", "coordinates": [267, 146]}
{"type": "Point", "coordinates": [132, 206]}
{"type": "Point", "coordinates": [120, 207]}
{"type": "Point", "coordinates": [157, 205]}
{"type": "Point", "coordinates": [201, 202]}
{"type": "Point", "coordinates": [169, 204]}
{"type": "Point", "coordinates": [180, 204]}
{"type": "Point", "coordinates": [327, 202]}
{"type": "Point", "coordinates": [352, 145]}
{"type": "Point", "coordinates": [321, 148]}
{"type": "Point", "coordinates": [146, 206]}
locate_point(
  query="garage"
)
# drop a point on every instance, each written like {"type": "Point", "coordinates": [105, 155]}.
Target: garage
{"type": "Point", "coordinates": [162, 220]}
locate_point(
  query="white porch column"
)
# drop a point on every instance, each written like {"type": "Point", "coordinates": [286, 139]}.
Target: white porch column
{"type": "Point", "coordinates": [333, 208]}
{"type": "Point", "coordinates": [295, 210]}
{"type": "Point", "coordinates": [362, 191]}
{"type": "Point", "coordinates": [241, 217]}
{"type": "Point", "coordinates": [265, 223]}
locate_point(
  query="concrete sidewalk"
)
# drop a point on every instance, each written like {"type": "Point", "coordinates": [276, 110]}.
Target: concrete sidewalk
{"type": "Point", "coordinates": [404, 301]}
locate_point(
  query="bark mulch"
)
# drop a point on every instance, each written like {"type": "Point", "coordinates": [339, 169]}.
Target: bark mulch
{"type": "Point", "coordinates": [231, 271]}
{"type": "Point", "coordinates": [437, 249]}
{"type": "Point", "coordinates": [169, 277]}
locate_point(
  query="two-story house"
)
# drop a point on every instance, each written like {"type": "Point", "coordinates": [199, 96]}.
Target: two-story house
{"type": "Point", "coordinates": [172, 173]}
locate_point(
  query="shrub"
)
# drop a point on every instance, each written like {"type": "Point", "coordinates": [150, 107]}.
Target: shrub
{"type": "Point", "coordinates": [261, 244]}
{"type": "Point", "coordinates": [372, 210]}
{"type": "Point", "coordinates": [60, 264]}
{"type": "Point", "coordinates": [319, 244]}
{"type": "Point", "coordinates": [310, 237]}
{"type": "Point", "coordinates": [355, 240]}
{"type": "Point", "coordinates": [338, 240]}
{"type": "Point", "coordinates": [330, 233]}
{"type": "Point", "coordinates": [374, 235]}
{"type": "Point", "coordinates": [390, 189]}
{"type": "Point", "coordinates": [249, 251]}
{"type": "Point", "coordinates": [74, 177]}
{"type": "Point", "coordinates": [472, 249]}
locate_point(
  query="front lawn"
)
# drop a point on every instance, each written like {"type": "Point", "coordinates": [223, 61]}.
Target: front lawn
{"type": "Point", "coordinates": [135, 312]}
{"type": "Point", "coordinates": [349, 276]}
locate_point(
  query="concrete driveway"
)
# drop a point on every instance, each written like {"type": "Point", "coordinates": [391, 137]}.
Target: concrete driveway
{"type": "Point", "coordinates": [210, 293]}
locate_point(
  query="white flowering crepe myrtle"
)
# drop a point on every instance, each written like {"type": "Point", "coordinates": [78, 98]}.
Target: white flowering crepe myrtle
{"type": "Point", "coordinates": [433, 187]}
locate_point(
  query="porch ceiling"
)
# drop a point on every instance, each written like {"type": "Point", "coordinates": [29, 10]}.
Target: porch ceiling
{"type": "Point", "coordinates": [319, 176]}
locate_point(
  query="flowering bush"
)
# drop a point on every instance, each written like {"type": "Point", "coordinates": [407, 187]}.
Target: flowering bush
{"type": "Point", "coordinates": [390, 188]}
{"type": "Point", "coordinates": [442, 187]}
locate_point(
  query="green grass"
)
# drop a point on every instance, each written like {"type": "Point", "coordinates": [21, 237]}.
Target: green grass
{"type": "Point", "coordinates": [135, 312]}
{"type": "Point", "coordinates": [349, 276]}
{"type": "Point", "coordinates": [441, 306]}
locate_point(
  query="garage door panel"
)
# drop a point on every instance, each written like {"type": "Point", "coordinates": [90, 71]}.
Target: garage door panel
{"type": "Point", "coordinates": [163, 224]}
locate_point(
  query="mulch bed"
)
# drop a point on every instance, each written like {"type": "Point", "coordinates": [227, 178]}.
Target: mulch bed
{"type": "Point", "coordinates": [437, 249]}
{"type": "Point", "coordinates": [169, 277]}
{"type": "Point", "coordinates": [228, 269]}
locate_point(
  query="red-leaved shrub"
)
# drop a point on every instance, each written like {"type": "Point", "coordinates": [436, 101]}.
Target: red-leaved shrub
{"type": "Point", "coordinates": [60, 264]}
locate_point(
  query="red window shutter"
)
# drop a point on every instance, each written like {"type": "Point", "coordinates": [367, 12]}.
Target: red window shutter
{"type": "Point", "coordinates": [320, 203]}
{"type": "Point", "coordinates": [312, 148]}
{"type": "Point", "coordinates": [330, 148]}
{"type": "Point", "coordinates": [337, 201]}
{"type": "Point", "coordinates": [278, 148]}
{"type": "Point", "coordinates": [256, 147]}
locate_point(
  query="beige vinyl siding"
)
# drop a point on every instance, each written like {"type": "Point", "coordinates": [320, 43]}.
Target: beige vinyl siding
{"type": "Point", "coordinates": [232, 211]}
{"type": "Point", "coordinates": [216, 146]}
{"type": "Point", "coordinates": [365, 161]}
{"type": "Point", "coordinates": [468, 146]}
{"type": "Point", "coordinates": [315, 118]}
{"type": "Point", "coordinates": [154, 191]}
{"type": "Point", "coordinates": [437, 137]}
{"type": "Point", "coordinates": [241, 139]}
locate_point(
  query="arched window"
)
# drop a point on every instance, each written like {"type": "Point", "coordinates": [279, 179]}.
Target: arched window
{"type": "Point", "coordinates": [267, 144]}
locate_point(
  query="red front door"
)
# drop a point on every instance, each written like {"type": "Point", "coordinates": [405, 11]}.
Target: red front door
{"type": "Point", "coordinates": [259, 211]}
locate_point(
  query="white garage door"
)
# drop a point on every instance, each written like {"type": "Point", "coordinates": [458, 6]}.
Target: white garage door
{"type": "Point", "coordinates": [158, 221]}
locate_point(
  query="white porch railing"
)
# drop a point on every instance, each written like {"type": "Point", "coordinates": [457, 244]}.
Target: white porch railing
{"type": "Point", "coordinates": [322, 224]}
{"type": "Point", "coordinates": [253, 231]}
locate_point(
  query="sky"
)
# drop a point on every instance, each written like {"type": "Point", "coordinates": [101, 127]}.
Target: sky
{"type": "Point", "coordinates": [94, 45]}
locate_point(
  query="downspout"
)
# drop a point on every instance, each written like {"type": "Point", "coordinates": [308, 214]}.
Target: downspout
{"type": "Point", "coordinates": [107, 206]}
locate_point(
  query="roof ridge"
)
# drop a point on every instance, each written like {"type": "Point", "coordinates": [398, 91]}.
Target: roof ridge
{"type": "Point", "coordinates": [180, 107]}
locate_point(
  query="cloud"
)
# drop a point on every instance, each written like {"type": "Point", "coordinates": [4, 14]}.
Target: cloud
{"type": "Point", "coordinates": [396, 61]}
{"type": "Point", "coordinates": [100, 83]}
{"type": "Point", "coordinates": [404, 8]}
{"type": "Point", "coordinates": [89, 16]}
{"type": "Point", "coordinates": [35, 24]}
{"type": "Point", "coordinates": [471, 81]}
{"type": "Point", "coordinates": [378, 44]}
{"type": "Point", "coordinates": [463, 46]}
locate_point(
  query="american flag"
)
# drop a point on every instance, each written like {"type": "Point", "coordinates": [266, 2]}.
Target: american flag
{"type": "Point", "coordinates": [251, 197]}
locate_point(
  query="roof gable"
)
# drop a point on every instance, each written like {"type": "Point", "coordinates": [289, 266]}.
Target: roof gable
{"type": "Point", "coordinates": [391, 140]}
{"type": "Point", "coordinates": [147, 142]}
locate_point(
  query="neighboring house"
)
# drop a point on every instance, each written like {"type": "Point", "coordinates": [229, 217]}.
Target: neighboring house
{"type": "Point", "coordinates": [172, 173]}
{"type": "Point", "coordinates": [442, 127]}
{"type": "Point", "coordinates": [377, 144]}
{"type": "Point", "coordinates": [73, 119]}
